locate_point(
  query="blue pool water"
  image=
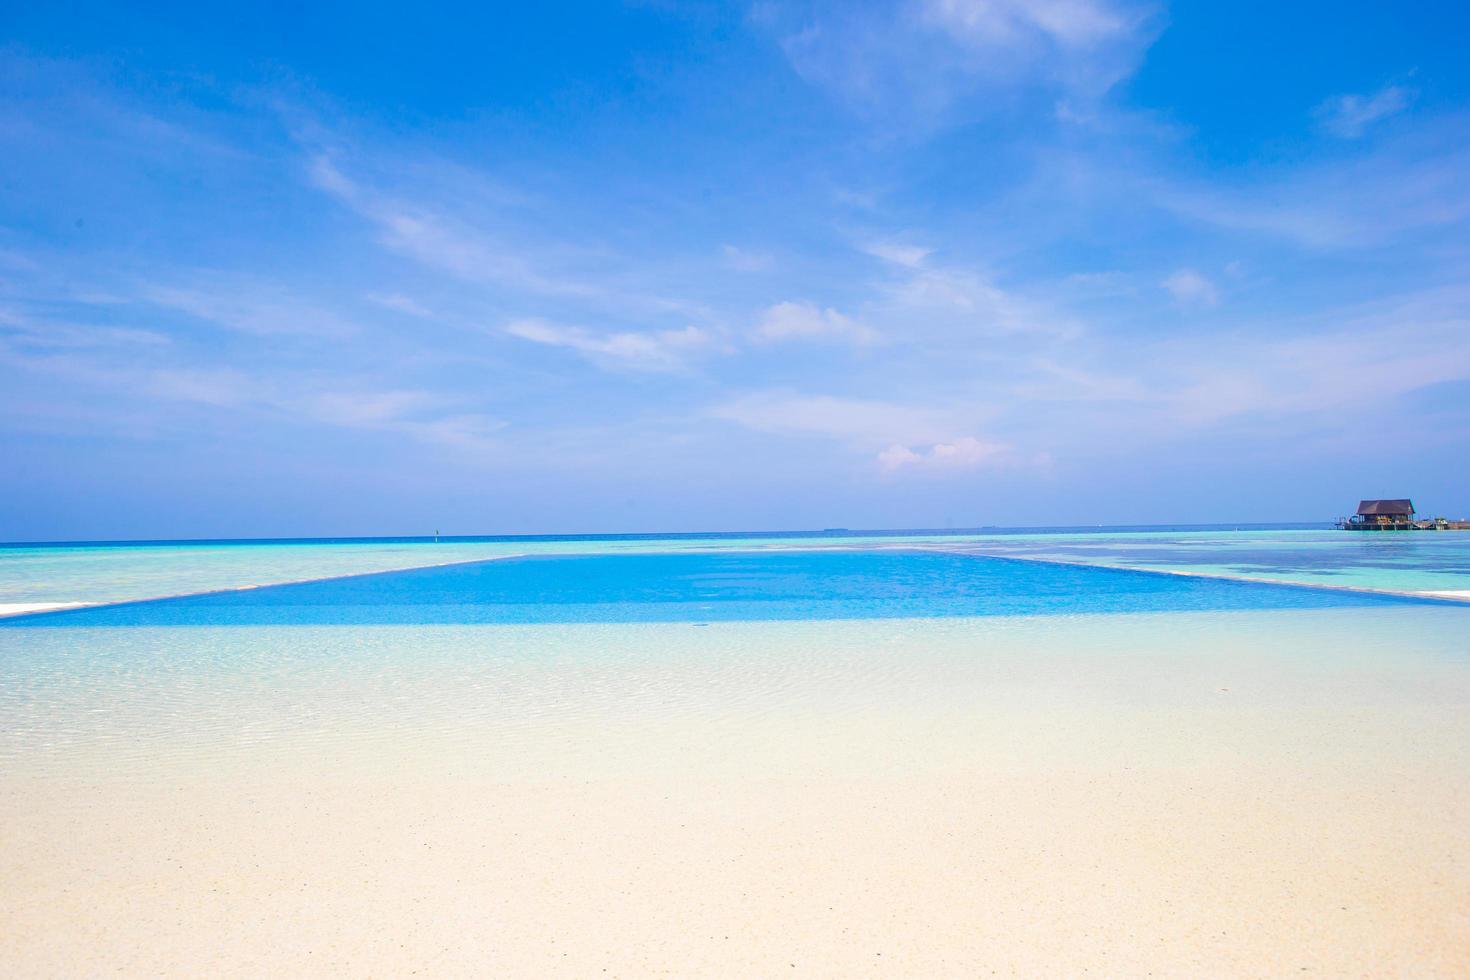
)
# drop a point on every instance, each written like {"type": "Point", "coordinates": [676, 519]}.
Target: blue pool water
{"type": "Point", "coordinates": [710, 587]}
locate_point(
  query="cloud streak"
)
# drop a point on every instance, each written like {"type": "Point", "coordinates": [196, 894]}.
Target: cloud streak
{"type": "Point", "coordinates": [918, 60]}
{"type": "Point", "coordinates": [1191, 288]}
{"type": "Point", "coordinates": [627, 350]}
{"type": "Point", "coordinates": [789, 321]}
{"type": "Point", "coordinates": [967, 453]}
{"type": "Point", "coordinates": [1350, 116]}
{"type": "Point", "coordinates": [478, 249]}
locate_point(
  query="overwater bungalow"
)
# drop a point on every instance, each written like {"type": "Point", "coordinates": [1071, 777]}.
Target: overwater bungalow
{"type": "Point", "coordinates": [1382, 515]}
{"type": "Point", "coordinates": [1396, 515]}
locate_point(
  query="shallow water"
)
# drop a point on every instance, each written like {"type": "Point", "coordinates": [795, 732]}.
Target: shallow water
{"type": "Point", "coordinates": [1400, 562]}
{"type": "Point", "coordinates": [894, 695]}
{"type": "Point", "coordinates": [1407, 562]}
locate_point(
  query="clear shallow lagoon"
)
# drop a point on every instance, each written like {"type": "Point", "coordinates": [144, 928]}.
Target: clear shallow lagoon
{"type": "Point", "coordinates": [1404, 562]}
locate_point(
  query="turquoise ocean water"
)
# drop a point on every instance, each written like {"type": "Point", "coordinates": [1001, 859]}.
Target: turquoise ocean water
{"type": "Point", "coordinates": [100, 572]}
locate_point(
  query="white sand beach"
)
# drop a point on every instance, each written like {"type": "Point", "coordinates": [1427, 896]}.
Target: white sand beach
{"type": "Point", "coordinates": [1045, 873]}
{"type": "Point", "coordinates": [1153, 795]}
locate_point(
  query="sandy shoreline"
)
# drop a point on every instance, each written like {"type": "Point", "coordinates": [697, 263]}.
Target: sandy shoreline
{"type": "Point", "coordinates": [1247, 794]}
{"type": "Point", "coordinates": [1053, 872]}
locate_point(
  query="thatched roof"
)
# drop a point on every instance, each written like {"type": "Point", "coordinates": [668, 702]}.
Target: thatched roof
{"type": "Point", "coordinates": [1385, 508]}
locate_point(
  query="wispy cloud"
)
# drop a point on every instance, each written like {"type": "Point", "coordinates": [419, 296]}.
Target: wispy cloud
{"type": "Point", "coordinates": [1350, 116]}
{"type": "Point", "coordinates": [628, 350]}
{"type": "Point", "coordinates": [474, 248]}
{"type": "Point", "coordinates": [1068, 24]}
{"type": "Point", "coordinates": [401, 304]}
{"type": "Point", "coordinates": [791, 321]}
{"type": "Point", "coordinates": [963, 454]}
{"type": "Point", "coordinates": [889, 435]}
{"type": "Point", "coordinates": [1190, 287]}
{"type": "Point", "coordinates": [746, 260]}
{"type": "Point", "coordinates": [1367, 357]}
{"type": "Point", "coordinates": [965, 301]}
{"type": "Point", "coordinates": [921, 57]}
{"type": "Point", "coordinates": [436, 239]}
{"type": "Point", "coordinates": [21, 330]}
{"type": "Point", "coordinates": [421, 415]}
{"type": "Point", "coordinates": [471, 432]}
{"type": "Point", "coordinates": [249, 308]}
{"type": "Point", "coordinates": [213, 386]}
{"type": "Point", "coordinates": [908, 256]}
{"type": "Point", "coordinates": [1409, 184]}
{"type": "Point", "coordinates": [369, 409]}
{"type": "Point", "coordinates": [866, 423]}
{"type": "Point", "coordinates": [836, 292]}
{"type": "Point", "coordinates": [159, 378]}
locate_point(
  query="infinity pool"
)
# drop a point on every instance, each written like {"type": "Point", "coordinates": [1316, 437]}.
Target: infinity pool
{"type": "Point", "coordinates": [724, 586]}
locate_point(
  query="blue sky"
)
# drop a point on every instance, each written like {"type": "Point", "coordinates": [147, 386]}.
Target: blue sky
{"type": "Point", "coordinates": [314, 269]}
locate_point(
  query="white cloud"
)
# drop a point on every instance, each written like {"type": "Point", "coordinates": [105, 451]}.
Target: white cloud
{"type": "Point", "coordinates": [22, 330]}
{"type": "Point", "coordinates": [400, 303]}
{"type": "Point", "coordinates": [744, 260]}
{"type": "Point", "coordinates": [474, 432]}
{"type": "Point", "coordinates": [423, 416]}
{"type": "Point", "coordinates": [1281, 378]}
{"type": "Point", "coordinates": [965, 302]}
{"type": "Point", "coordinates": [1191, 288]}
{"type": "Point", "coordinates": [1366, 359]}
{"type": "Point", "coordinates": [655, 350]}
{"type": "Point", "coordinates": [249, 308]}
{"type": "Point", "coordinates": [221, 388]}
{"type": "Point", "coordinates": [1069, 24]}
{"type": "Point", "coordinates": [897, 436]}
{"type": "Point", "coordinates": [961, 454]}
{"type": "Point", "coordinates": [913, 61]}
{"type": "Point", "coordinates": [481, 247]}
{"type": "Point", "coordinates": [807, 321]}
{"type": "Point", "coordinates": [368, 409]}
{"type": "Point", "coordinates": [1349, 116]}
{"type": "Point", "coordinates": [1410, 184]}
{"type": "Point", "coordinates": [435, 239]}
{"type": "Point", "coordinates": [866, 423]}
{"type": "Point", "coordinates": [908, 256]}
{"type": "Point", "coordinates": [325, 175]}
